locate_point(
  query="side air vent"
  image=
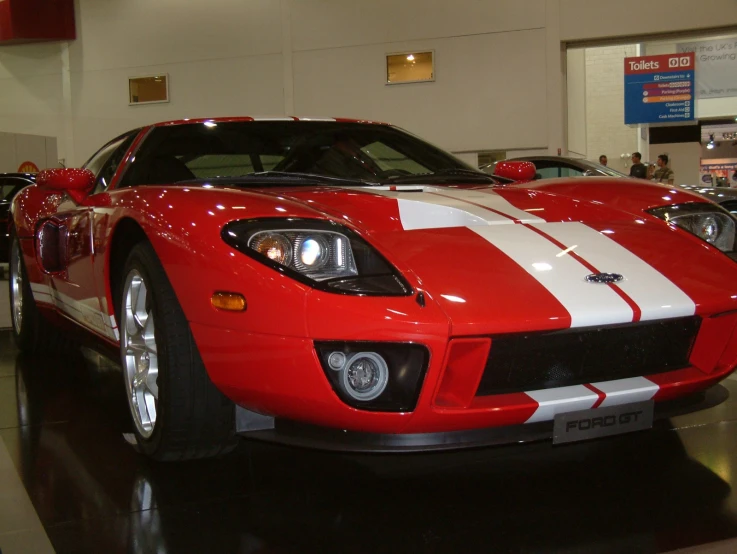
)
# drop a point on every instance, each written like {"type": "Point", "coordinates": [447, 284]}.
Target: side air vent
{"type": "Point", "coordinates": [52, 246]}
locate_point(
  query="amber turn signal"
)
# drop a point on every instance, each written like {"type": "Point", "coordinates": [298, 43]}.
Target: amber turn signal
{"type": "Point", "coordinates": [230, 301]}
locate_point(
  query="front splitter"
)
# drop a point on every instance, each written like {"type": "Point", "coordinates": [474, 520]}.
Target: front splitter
{"type": "Point", "coordinates": [323, 438]}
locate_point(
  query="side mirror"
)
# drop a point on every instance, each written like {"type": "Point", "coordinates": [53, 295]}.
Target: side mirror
{"type": "Point", "coordinates": [516, 171]}
{"type": "Point", "coordinates": [76, 182]}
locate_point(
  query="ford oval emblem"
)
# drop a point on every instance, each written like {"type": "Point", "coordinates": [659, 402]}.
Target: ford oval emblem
{"type": "Point", "coordinates": [605, 278]}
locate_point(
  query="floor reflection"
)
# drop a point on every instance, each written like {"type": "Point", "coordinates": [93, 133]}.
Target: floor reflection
{"type": "Point", "coordinates": [637, 493]}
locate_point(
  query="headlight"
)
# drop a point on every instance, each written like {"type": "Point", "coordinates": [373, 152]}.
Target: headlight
{"type": "Point", "coordinates": [322, 254]}
{"type": "Point", "coordinates": [709, 222]}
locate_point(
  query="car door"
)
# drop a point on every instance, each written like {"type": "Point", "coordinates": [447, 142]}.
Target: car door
{"type": "Point", "coordinates": [75, 292]}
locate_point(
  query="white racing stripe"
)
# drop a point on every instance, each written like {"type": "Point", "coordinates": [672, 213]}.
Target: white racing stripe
{"type": "Point", "coordinates": [562, 275]}
{"type": "Point", "coordinates": [41, 293]}
{"type": "Point", "coordinates": [655, 295]}
{"type": "Point", "coordinates": [421, 210]}
{"type": "Point", "coordinates": [81, 311]}
{"type": "Point", "coordinates": [626, 391]}
{"type": "Point", "coordinates": [490, 200]}
{"type": "Point", "coordinates": [579, 397]}
{"type": "Point", "coordinates": [425, 207]}
{"type": "Point", "coordinates": [561, 400]}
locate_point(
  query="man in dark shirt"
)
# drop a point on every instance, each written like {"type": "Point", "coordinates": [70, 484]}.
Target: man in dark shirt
{"type": "Point", "coordinates": [638, 169]}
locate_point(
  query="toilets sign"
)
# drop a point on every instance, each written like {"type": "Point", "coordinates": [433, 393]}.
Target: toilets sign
{"type": "Point", "coordinates": [659, 89]}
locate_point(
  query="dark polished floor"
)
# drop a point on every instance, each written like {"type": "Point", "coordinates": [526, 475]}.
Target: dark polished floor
{"type": "Point", "coordinates": [63, 422]}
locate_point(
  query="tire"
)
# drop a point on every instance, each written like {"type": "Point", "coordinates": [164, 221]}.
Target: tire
{"type": "Point", "coordinates": [32, 332]}
{"type": "Point", "coordinates": [177, 411]}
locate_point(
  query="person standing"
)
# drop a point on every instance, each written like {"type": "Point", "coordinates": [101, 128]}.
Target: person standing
{"type": "Point", "coordinates": [638, 169]}
{"type": "Point", "coordinates": [664, 174]}
{"type": "Point", "coordinates": [603, 160]}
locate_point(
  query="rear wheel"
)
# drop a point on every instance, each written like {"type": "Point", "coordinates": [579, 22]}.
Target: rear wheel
{"type": "Point", "coordinates": [178, 413]}
{"type": "Point", "coordinates": [31, 330]}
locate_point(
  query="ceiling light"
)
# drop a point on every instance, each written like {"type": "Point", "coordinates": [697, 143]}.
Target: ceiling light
{"type": "Point", "coordinates": [411, 58]}
{"type": "Point", "coordinates": [711, 144]}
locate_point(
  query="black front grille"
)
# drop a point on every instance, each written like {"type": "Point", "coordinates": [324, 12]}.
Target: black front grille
{"type": "Point", "coordinates": [533, 361]}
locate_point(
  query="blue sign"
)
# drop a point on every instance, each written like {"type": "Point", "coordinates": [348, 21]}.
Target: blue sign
{"type": "Point", "coordinates": [659, 89]}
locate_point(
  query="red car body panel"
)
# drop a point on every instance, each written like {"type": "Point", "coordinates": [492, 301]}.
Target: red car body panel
{"type": "Point", "coordinates": [265, 359]}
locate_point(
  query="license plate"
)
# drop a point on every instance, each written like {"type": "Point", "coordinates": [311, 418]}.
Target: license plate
{"type": "Point", "coordinates": [602, 422]}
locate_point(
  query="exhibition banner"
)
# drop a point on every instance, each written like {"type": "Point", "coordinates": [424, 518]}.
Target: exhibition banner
{"type": "Point", "coordinates": [659, 89]}
{"type": "Point", "coordinates": [719, 172]}
{"type": "Point", "coordinates": [716, 66]}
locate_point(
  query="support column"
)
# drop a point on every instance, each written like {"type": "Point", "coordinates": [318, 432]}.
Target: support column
{"type": "Point", "coordinates": [65, 144]}
{"type": "Point", "coordinates": [555, 80]}
{"type": "Point", "coordinates": [287, 67]}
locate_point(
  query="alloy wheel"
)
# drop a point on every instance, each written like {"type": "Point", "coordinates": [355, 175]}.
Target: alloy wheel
{"type": "Point", "coordinates": [16, 287]}
{"type": "Point", "coordinates": [139, 353]}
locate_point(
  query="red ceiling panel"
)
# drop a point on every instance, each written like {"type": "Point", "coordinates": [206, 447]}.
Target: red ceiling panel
{"type": "Point", "coordinates": [36, 20]}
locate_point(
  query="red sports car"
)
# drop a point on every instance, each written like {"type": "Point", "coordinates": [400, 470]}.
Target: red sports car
{"type": "Point", "coordinates": [343, 284]}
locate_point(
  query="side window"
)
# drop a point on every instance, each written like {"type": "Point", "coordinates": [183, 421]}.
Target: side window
{"type": "Point", "coordinates": [548, 172]}
{"type": "Point", "coordinates": [5, 188]}
{"type": "Point", "coordinates": [570, 172]}
{"type": "Point", "coordinates": [104, 163]}
{"type": "Point", "coordinates": [10, 187]}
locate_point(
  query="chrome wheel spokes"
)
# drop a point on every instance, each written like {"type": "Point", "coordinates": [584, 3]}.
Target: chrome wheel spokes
{"type": "Point", "coordinates": [139, 353]}
{"type": "Point", "coordinates": [16, 287]}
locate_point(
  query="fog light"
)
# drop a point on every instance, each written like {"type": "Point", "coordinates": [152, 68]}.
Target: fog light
{"type": "Point", "coordinates": [336, 360]}
{"type": "Point", "coordinates": [365, 376]}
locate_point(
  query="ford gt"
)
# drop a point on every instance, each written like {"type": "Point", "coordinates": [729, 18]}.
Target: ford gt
{"type": "Point", "coordinates": [344, 284]}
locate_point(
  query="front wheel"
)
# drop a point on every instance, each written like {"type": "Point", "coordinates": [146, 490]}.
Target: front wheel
{"type": "Point", "coordinates": [177, 411]}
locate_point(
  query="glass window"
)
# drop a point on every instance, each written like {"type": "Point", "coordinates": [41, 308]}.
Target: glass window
{"type": "Point", "coordinates": [218, 165]}
{"type": "Point", "coordinates": [548, 172]}
{"type": "Point", "coordinates": [369, 152]}
{"type": "Point", "coordinates": [389, 159]}
{"type": "Point", "coordinates": [410, 67]}
{"type": "Point", "coordinates": [570, 172]}
{"type": "Point", "coordinates": [10, 187]}
{"type": "Point", "coordinates": [105, 162]}
{"type": "Point", "coordinates": [269, 162]}
{"type": "Point", "coordinates": [147, 90]}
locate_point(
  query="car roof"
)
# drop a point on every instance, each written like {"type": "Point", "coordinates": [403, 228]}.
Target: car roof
{"type": "Point", "coordinates": [261, 118]}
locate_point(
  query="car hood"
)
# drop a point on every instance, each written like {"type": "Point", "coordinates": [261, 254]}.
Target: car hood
{"type": "Point", "coordinates": [515, 258]}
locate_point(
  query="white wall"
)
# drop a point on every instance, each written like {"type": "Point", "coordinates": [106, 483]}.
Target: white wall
{"type": "Point", "coordinates": [31, 89]}
{"type": "Point", "coordinates": [18, 149]}
{"type": "Point", "coordinates": [683, 158]}
{"type": "Point", "coordinates": [602, 19]}
{"type": "Point", "coordinates": [576, 91]}
{"type": "Point", "coordinates": [500, 69]}
{"type": "Point", "coordinates": [466, 108]}
{"type": "Point", "coordinates": [606, 132]}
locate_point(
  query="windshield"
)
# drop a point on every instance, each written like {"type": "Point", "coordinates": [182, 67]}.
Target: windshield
{"type": "Point", "coordinates": [608, 171]}
{"type": "Point", "coordinates": [356, 151]}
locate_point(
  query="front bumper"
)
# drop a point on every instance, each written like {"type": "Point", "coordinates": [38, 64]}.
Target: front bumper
{"type": "Point", "coordinates": [282, 377]}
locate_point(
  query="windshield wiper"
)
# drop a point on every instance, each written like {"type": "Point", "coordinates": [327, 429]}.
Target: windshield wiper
{"type": "Point", "coordinates": [447, 174]}
{"type": "Point", "coordinates": [281, 178]}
